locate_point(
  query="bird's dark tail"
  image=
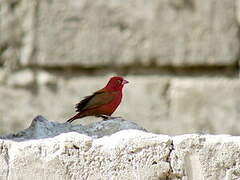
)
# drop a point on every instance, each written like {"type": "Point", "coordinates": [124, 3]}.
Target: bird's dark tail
{"type": "Point", "coordinates": [77, 116]}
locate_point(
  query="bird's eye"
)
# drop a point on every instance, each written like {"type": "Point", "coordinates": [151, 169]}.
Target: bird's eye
{"type": "Point", "coordinates": [119, 81]}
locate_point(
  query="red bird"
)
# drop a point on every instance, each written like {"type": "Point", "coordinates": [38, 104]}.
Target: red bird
{"type": "Point", "coordinates": [103, 102]}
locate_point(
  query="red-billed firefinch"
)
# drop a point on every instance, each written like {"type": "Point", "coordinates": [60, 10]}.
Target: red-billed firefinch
{"type": "Point", "coordinates": [103, 102]}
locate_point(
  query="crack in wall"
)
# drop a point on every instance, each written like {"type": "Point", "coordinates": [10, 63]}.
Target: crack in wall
{"type": "Point", "coordinates": [169, 175]}
{"type": "Point", "coordinates": [6, 157]}
{"type": "Point", "coordinates": [166, 95]}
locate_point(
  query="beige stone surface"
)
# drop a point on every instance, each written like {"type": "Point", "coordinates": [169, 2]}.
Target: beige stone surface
{"type": "Point", "coordinates": [205, 105]}
{"type": "Point", "coordinates": [99, 33]}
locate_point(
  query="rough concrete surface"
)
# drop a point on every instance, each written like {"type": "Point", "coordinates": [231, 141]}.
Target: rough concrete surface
{"type": "Point", "coordinates": [206, 157]}
{"type": "Point", "coordinates": [48, 150]}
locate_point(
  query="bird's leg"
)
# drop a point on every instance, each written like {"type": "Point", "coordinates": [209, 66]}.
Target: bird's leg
{"type": "Point", "coordinates": [106, 117]}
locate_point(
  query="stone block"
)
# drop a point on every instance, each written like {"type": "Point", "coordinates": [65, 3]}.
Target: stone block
{"type": "Point", "coordinates": [205, 105]}
{"type": "Point", "coordinates": [160, 32]}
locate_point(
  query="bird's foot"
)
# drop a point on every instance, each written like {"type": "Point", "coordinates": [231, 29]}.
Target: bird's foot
{"type": "Point", "coordinates": [106, 117]}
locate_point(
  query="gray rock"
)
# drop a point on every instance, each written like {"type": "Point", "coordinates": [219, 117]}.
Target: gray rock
{"type": "Point", "coordinates": [42, 128]}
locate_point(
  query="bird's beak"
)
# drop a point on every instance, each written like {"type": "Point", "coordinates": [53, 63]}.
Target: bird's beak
{"type": "Point", "coordinates": [125, 81]}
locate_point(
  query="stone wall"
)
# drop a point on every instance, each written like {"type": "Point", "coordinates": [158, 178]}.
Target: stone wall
{"type": "Point", "coordinates": [50, 150]}
{"type": "Point", "coordinates": [181, 57]}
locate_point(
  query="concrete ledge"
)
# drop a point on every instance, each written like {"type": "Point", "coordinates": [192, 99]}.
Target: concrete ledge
{"type": "Point", "coordinates": [125, 153]}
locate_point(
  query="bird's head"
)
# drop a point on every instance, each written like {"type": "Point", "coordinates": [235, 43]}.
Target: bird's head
{"type": "Point", "coordinates": [116, 83]}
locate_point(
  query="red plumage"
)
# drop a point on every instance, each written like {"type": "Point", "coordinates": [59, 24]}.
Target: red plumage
{"type": "Point", "coordinates": [103, 102]}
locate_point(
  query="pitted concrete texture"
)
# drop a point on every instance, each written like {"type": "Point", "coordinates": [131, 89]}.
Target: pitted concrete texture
{"type": "Point", "coordinates": [181, 57]}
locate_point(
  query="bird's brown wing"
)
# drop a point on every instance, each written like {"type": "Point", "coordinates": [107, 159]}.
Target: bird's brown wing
{"type": "Point", "coordinates": [95, 100]}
